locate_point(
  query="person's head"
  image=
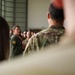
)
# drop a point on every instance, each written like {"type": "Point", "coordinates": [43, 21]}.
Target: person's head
{"type": "Point", "coordinates": [32, 33]}
{"type": "Point", "coordinates": [28, 34]}
{"type": "Point", "coordinates": [55, 14]}
{"type": "Point", "coordinates": [16, 30]}
{"type": "Point", "coordinates": [24, 34]}
{"type": "Point", "coordinates": [4, 39]}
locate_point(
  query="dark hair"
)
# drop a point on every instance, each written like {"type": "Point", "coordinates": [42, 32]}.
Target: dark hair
{"type": "Point", "coordinates": [4, 39]}
{"type": "Point", "coordinates": [56, 13]}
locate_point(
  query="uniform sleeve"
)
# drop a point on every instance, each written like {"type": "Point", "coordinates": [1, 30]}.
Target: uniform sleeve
{"type": "Point", "coordinates": [35, 43]}
{"type": "Point", "coordinates": [12, 45]}
{"type": "Point", "coordinates": [15, 47]}
{"type": "Point", "coordinates": [13, 41]}
{"type": "Point", "coordinates": [32, 45]}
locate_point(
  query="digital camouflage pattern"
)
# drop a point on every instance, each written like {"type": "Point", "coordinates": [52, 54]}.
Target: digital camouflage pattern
{"type": "Point", "coordinates": [24, 42]}
{"type": "Point", "coordinates": [44, 38]}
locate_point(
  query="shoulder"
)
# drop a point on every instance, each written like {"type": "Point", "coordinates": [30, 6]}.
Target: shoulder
{"type": "Point", "coordinates": [24, 42]}
{"type": "Point", "coordinates": [54, 31]}
{"type": "Point", "coordinates": [36, 36]}
{"type": "Point", "coordinates": [41, 33]}
{"type": "Point", "coordinates": [14, 37]}
{"type": "Point", "coordinates": [13, 40]}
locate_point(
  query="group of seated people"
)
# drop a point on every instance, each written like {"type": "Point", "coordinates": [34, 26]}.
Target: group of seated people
{"type": "Point", "coordinates": [46, 54]}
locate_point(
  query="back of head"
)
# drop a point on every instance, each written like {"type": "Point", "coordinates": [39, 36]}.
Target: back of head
{"type": "Point", "coordinates": [56, 13]}
{"type": "Point", "coordinates": [4, 39]}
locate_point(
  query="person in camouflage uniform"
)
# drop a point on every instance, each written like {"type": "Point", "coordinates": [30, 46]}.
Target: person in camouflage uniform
{"type": "Point", "coordinates": [16, 47]}
{"type": "Point", "coordinates": [49, 36]}
{"type": "Point", "coordinates": [28, 36]}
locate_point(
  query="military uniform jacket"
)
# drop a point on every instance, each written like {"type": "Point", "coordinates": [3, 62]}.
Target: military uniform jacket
{"type": "Point", "coordinates": [44, 38]}
{"type": "Point", "coordinates": [15, 46]}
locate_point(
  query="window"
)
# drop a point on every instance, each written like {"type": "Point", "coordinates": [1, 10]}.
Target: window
{"type": "Point", "coordinates": [14, 11]}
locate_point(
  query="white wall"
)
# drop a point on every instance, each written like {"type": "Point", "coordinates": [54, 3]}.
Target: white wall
{"type": "Point", "coordinates": [37, 13]}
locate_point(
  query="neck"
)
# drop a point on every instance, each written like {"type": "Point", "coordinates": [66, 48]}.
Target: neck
{"type": "Point", "coordinates": [55, 23]}
{"type": "Point", "coordinates": [16, 34]}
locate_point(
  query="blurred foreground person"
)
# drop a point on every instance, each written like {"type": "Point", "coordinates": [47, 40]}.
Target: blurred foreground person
{"type": "Point", "coordinates": [53, 61]}
{"type": "Point", "coordinates": [51, 35]}
{"type": "Point", "coordinates": [16, 47]}
{"type": "Point", "coordinates": [4, 39]}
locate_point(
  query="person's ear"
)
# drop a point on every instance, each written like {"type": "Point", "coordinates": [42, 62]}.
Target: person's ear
{"type": "Point", "coordinates": [48, 16]}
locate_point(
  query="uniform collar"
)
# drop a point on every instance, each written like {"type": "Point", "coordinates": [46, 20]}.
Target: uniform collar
{"type": "Point", "coordinates": [57, 27]}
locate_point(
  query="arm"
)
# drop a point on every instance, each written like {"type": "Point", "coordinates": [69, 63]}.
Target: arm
{"type": "Point", "coordinates": [16, 46]}
{"type": "Point", "coordinates": [32, 45]}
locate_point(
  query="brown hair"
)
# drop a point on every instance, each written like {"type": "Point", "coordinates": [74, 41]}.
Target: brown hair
{"type": "Point", "coordinates": [4, 39]}
{"type": "Point", "coordinates": [15, 27]}
{"type": "Point", "coordinates": [56, 13]}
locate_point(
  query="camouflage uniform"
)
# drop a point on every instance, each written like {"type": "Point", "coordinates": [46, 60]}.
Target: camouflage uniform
{"type": "Point", "coordinates": [15, 46]}
{"type": "Point", "coordinates": [46, 37]}
{"type": "Point", "coordinates": [25, 42]}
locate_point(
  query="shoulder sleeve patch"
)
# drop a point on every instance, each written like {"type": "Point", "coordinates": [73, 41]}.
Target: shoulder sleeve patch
{"type": "Point", "coordinates": [13, 42]}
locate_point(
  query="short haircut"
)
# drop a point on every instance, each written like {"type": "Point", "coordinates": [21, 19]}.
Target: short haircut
{"type": "Point", "coordinates": [15, 27]}
{"type": "Point", "coordinates": [56, 13]}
